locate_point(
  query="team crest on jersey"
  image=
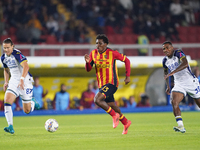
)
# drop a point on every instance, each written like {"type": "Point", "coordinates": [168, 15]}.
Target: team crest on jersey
{"type": "Point", "coordinates": [22, 56]}
{"type": "Point", "coordinates": [105, 56]}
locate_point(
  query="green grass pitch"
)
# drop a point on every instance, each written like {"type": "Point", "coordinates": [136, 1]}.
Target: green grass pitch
{"type": "Point", "coordinates": [94, 132]}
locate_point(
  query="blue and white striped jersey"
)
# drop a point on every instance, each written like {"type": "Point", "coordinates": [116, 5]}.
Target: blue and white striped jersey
{"type": "Point", "coordinates": [172, 63]}
{"type": "Point", "coordinates": [13, 63]}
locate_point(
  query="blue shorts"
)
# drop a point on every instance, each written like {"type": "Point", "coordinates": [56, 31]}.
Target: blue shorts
{"type": "Point", "coordinates": [108, 91]}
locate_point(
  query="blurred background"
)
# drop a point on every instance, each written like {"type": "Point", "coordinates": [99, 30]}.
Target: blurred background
{"type": "Point", "coordinates": [54, 35]}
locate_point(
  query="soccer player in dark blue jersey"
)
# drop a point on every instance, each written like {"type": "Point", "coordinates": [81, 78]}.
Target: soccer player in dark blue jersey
{"type": "Point", "coordinates": [19, 84]}
{"type": "Point", "coordinates": [185, 81]}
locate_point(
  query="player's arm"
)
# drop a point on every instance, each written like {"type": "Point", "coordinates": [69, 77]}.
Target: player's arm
{"type": "Point", "coordinates": [25, 70]}
{"type": "Point", "coordinates": [128, 70]}
{"type": "Point", "coordinates": [167, 81]}
{"type": "Point", "coordinates": [89, 62]}
{"type": "Point", "coordinates": [6, 78]}
{"type": "Point", "coordinates": [124, 59]}
{"type": "Point", "coordinates": [183, 65]}
{"type": "Point", "coordinates": [25, 66]}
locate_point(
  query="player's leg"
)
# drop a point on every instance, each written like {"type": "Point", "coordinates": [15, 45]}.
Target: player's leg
{"type": "Point", "coordinates": [8, 101]}
{"type": "Point", "coordinates": [177, 97]}
{"type": "Point", "coordinates": [28, 106]}
{"type": "Point", "coordinates": [195, 91]}
{"type": "Point", "coordinates": [105, 92]}
{"type": "Point", "coordinates": [197, 101]}
{"type": "Point", "coordinates": [122, 118]}
{"type": "Point", "coordinates": [115, 107]}
{"type": "Point", "coordinates": [100, 100]}
{"type": "Point", "coordinates": [29, 103]}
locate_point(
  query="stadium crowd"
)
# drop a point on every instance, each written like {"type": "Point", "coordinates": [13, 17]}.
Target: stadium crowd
{"type": "Point", "coordinates": [41, 18]}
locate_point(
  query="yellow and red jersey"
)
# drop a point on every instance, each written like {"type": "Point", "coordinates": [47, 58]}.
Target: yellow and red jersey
{"type": "Point", "coordinates": [105, 65]}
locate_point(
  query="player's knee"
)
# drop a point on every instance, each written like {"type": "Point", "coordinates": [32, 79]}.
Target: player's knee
{"type": "Point", "coordinates": [175, 103]}
{"type": "Point", "coordinates": [96, 99]}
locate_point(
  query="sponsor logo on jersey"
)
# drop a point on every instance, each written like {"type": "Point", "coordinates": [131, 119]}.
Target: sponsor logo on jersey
{"type": "Point", "coordinates": [103, 65]}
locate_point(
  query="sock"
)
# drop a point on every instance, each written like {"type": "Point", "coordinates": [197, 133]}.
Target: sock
{"type": "Point", "coordinates": [111, 111]}
{"type": "Point", "coordinates": [32, 105]}
{"type": "Point", "coordinates": [179, 121]}
{"type": "Point", "coordinates": [8, 113]}
{"type": "Point", "coordinates": [123, 119]}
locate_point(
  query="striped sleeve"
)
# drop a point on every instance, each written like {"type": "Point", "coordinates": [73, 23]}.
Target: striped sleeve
{"type": "Point", "coordinates": [2, 60]}
{"type": "Point", "coordinates": [119, 56]}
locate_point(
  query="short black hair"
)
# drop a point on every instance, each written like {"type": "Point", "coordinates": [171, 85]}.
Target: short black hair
{"type": "Point", "coordinates": [103, 37]}
{"type": "Point", "coordinates": [7, 41]}
{"type": "Point", "coordinates": [167, 42]}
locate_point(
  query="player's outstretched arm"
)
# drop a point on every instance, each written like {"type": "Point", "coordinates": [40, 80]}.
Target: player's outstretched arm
{"type": "Point", "coordinates": [183, 65]}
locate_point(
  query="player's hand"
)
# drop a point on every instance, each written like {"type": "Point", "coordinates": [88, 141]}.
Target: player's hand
{"type": "Point", "coordinates": [5, 86]}
{"type": "Point", "coordinates": [87, 58]}
{"type": "Point", "coordinates": [168, 91]}
{"type": "Point", "coordinates": [21, 84]}
{"type": "Point", "coordinates": [168, 75]}
{"type": "Point", "coordinates": [127, 80]}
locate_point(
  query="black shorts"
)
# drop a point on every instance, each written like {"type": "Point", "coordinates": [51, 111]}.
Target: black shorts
{"type": "Point", "coordinates": [108, 91]}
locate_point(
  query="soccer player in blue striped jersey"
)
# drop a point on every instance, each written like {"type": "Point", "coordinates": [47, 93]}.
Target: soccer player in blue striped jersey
{"type": "Point", "coordinates": [19, 84]}
{"type": "Point", "coordinates": [175, 63]}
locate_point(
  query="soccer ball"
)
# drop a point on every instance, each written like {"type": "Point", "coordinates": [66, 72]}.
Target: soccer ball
{"type": "Point", "coordinates": [51, 125]}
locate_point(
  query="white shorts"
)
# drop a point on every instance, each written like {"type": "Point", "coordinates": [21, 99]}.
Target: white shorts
{"type": "Point", "coordinates": [26, 94]}
{"type": "Point", "coordinates": [192, 88]}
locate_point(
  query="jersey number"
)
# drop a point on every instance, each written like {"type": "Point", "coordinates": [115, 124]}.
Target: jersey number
{"type": "Point", "coordinates": [197, 89]}
{"type": "Point", "coordinates": [28, 91]}
{"type": "Point", "coordinates": [105, 89]}
{"type": "Point", "coordinates": [173, 66]}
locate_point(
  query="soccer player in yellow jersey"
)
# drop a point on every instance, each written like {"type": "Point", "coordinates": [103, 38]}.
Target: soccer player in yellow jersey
{"type": "Point", "coordinates": [104, 59]}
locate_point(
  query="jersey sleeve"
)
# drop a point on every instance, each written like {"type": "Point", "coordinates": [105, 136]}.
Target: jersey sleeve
{"type": "Point", "coordinates": [180, 54]}
{"type": "Point", "coordinates": [163, 63]}
{"type": "Point", "coordinates": [2, 59]}
{"type": "Point", "coordinates": [119, 56]}
{"type": "Point", "coordinates": [20, 57]}
{"type": "Point", "coordinates": [88, 66]}
{"type": "Point", "coordinates": [91, 59]}
{"type": "Point", "coordinates": [124, 59]}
